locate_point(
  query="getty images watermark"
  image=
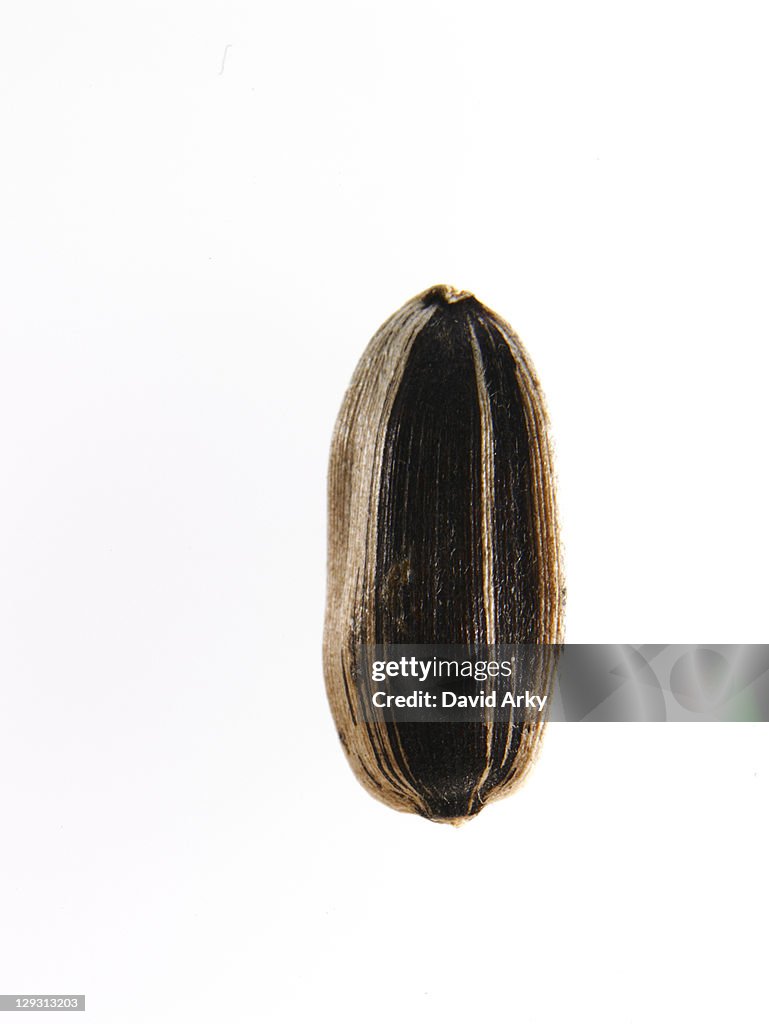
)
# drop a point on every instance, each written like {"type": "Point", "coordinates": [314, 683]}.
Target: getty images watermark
{"type": "Point", "coordinates": [569, 683]}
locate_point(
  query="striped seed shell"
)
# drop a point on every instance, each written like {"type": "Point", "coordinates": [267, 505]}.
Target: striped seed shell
{"type": "Point", "coordinates": [442, 529]}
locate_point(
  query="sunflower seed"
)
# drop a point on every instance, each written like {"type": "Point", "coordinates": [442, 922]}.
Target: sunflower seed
{"type": "Point", "coordinates": [442, 530]}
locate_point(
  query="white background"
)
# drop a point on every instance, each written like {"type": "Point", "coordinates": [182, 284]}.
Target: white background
{"type": "Point", "coordinates": [195, 249]}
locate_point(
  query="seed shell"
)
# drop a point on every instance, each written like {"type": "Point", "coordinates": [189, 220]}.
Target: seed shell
{"type": "Point", "coordinates": [442, 529]}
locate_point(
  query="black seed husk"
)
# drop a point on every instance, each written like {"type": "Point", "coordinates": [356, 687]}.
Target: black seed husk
{"type": "Point", "coordinates": [442, 530]}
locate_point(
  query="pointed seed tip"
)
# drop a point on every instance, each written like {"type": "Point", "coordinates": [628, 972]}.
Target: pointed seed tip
{"type": "Point", "coordinates": [448, 293]}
